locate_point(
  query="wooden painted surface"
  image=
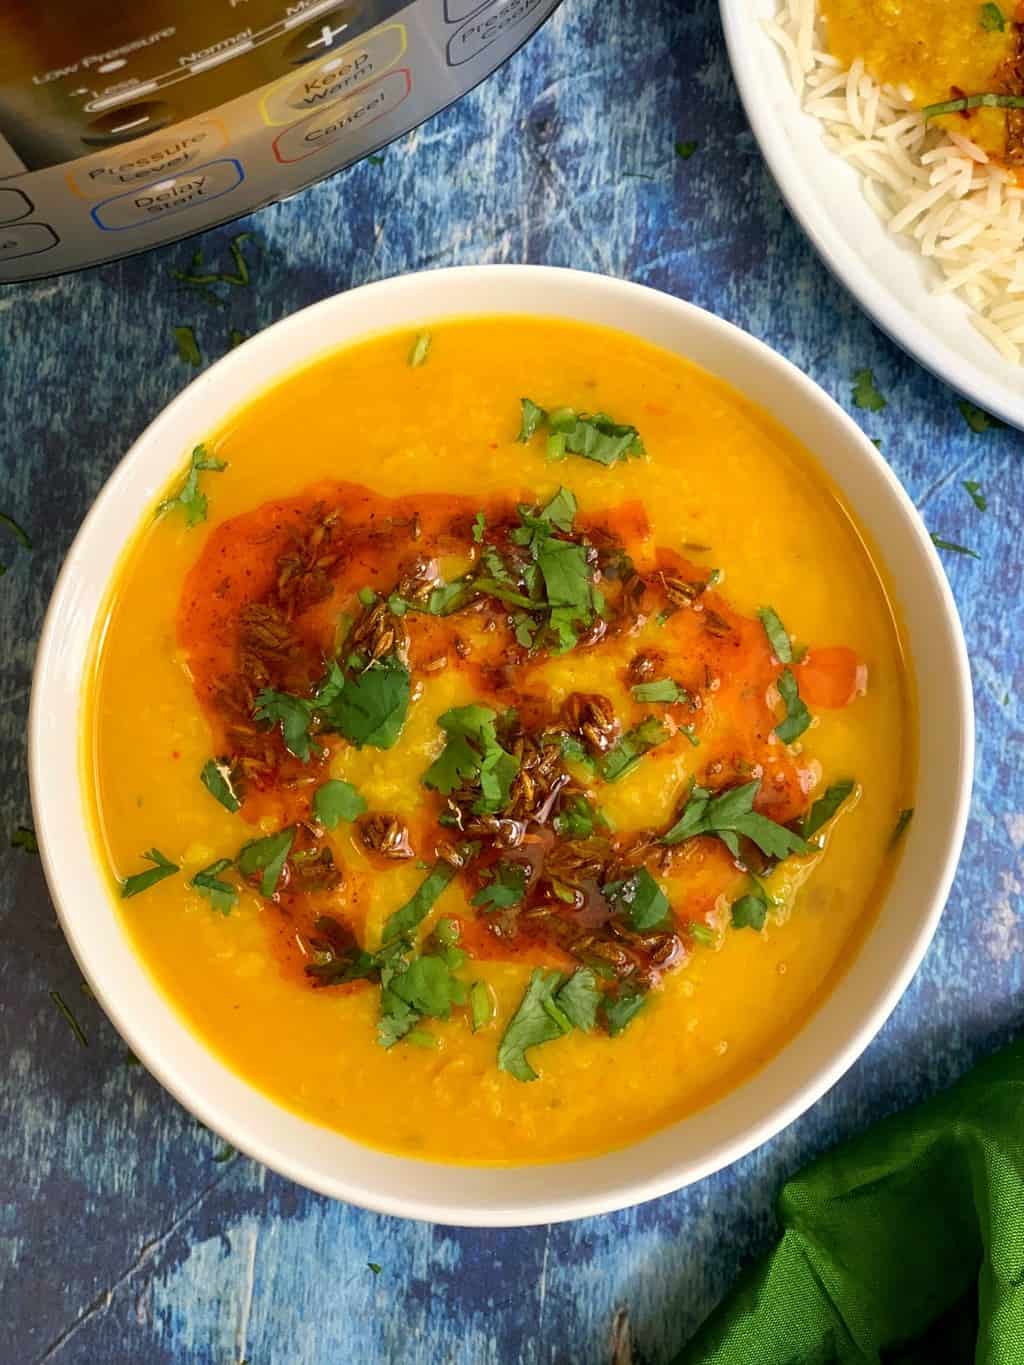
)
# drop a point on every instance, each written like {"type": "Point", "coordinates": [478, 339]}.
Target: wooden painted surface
{"type": "Point", "coordinates": [124, 1240]}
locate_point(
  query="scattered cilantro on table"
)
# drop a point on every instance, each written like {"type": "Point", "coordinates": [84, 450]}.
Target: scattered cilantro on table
{"type": "Point", "coordinates": [72, 1022]}
{"type": "Point", "coordinates": [952, 546]}
{"type": "Point", "coordinates": [977, 418]}
{"type": "Point", "coordinates": [865, 394]}
{"type": "Point", "coordinates": [975, 494]}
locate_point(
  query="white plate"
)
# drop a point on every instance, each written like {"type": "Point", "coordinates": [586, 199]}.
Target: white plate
{"type": "Point", "coordinates": [883, 272]}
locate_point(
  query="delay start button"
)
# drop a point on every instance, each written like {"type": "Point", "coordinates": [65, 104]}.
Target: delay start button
{"type": "Point", "coordinates": [161, 198]}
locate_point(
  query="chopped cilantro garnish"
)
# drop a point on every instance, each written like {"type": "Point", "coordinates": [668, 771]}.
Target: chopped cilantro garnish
{"type": "Point", "coordinates": [403, 923]}
{"type": "Point", "coordinates": [420, 350]}
{"type": "Point", "coordinates": [188, 347]}
{"type": "Point", "coordinates": [991, 18]}
{"type": "Point", "coordinates": [684, 150]}
{"type": "Point", "coordinates": [797, 715]}
{"type": "Point", "coordinates": [221, 894]}
{"type": "Point", "coordinates": [952, 546]}
{"type": "Point", "coordinates": [335, 801]}
{"type": "Point", "coordinates": [372, 1265]}
{"type": "Point", "coordinates": [825, 807]}
{"type": "Point", "coordinates": [18, 532]}
{"type": "Point", "coordinates": [621, 1009]}
{"type": "Point", "coordinates": [902, 821]}
{"type": "Point", "coordinates": [975, 494]}
{"type": "Point", "coordinates": [216, 778]}
{"type": "Point", "coordinates": [594, 436]}
{"type": "Point", "coordinates": [977, 418]}
{"type": "Point", "coordinates": [72, 1022]}
{"type": "Point", "coordinates": [865, 395]}
{"type": "Point", "coordinates": [560, 512]}
{"type": "Point", "coordinates": [577, 818]}
{"type": "Point", "coordinates": [426, 987]}
{"type": "Point", "coordinates": [142, 881]}
{"type": "Point", "coordinates": [292, 713]}
{"type": "Point", "coordinates": [533, 417]}
{"type": "Point", "coordinates": [267, 856]}
{"type": "Point", "coordinates": [630, 748]}
{"type": "Point", "coordinates": [449, 597]}
{"type": "Point", "coordinates": [235, 338]}
{"type": "Point", "coordinates": [751, 910]}
{"type": "Point", "coordinates": [472, 754]}
{"type": "Point", "coordinates": [731, 814]}
{"type": "Point", "coordinates": [988, 99]}
{"type": "Point", "coordinates": [778, 636]}
{"type": "Point", "coordinates": [550, 1008]}
{"type": "Point", "coordinates": [481, 1006]}
{"type": "Point", "coordinates": [508, 887]}
{"type": "Point", "coordinates": [701, 933]}
{"type": "Point", "coordinates": [479, 527]}
{"type": "Point", "coordinates": [189, 496]}
{"type": "Point", "coordinates": [25, 839]}
{"type": "Point", "coordinates": [664, 690]}
{"type": "Point", "coordinates": [368, 707]}
{"type": "Point", "coordinates": [640, 901]}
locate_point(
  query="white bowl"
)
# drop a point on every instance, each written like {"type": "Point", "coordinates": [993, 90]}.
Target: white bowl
{"type": "Point", "coordinates": [793, 1080]}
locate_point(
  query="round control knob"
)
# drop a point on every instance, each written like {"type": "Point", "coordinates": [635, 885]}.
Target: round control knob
{"type": "Point", "coordinates": [128, 121]}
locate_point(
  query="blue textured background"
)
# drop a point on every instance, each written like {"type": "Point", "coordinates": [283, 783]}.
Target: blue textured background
{"type": "Point", "coordinates": [124, 1240]}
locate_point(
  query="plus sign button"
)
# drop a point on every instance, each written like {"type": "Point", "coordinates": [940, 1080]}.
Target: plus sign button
{"type": "Point", "coordinates": [324, 34]}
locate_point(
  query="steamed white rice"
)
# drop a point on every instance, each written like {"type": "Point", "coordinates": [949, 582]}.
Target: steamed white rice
{"type": "Point", "coordinates": [936, 187]}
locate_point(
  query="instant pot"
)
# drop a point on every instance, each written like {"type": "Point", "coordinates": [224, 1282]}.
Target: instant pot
{"type": "Point", "coordinates": [125, 126]}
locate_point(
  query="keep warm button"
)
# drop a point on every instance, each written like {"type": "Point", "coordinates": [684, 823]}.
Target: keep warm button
{"type": "Point", "coordinates": [161, 198]}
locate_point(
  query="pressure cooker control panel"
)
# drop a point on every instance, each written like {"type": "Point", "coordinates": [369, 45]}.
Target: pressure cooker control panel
{"type": "Point", "coordinates": [163, 130]}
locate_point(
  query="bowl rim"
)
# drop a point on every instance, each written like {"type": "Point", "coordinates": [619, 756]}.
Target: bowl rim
{"type": "Point", "coordinates": [749, 49]}
{"type": "Point", "coordinates": [542, 1205]}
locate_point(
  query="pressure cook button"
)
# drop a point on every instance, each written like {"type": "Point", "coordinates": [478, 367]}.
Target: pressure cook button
{"type": "Point", "coordinates": [326, 33]}
{"type": "Point", "coordinates": [161, 198]}
{"type": "Point", "coordinates": [128, 121]}
{"type": "Point", "coordinates": [494, 21]}
{"type": "Point", "coordinates": [27, 239]}
{"type": "Point", "coordinates": [14, 205]}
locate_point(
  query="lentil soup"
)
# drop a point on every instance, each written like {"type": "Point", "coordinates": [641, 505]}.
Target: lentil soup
{"type": "Point", "coordinates": [497, 740]}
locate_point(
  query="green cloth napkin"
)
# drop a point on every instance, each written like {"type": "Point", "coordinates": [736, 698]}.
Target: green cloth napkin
{"type": "Point", "coordinates": [906, 1246]}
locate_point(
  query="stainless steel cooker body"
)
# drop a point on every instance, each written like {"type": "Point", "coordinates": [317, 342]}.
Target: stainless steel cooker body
{"type": "Point", "coordinates": [122, 127]}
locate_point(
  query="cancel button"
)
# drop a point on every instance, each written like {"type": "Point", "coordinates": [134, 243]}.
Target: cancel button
{"type": "Point", "coordinates": [161, 198]}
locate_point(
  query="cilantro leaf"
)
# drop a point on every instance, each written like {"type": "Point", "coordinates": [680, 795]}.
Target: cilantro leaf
{"type": "Point", "coordinates": [449, 597]}
{"type": "Point", "coordinates": [188, 347]}
{"type": "Point", "coordinates": [404, 921]}
{"type": "Point", "coordinates": [188, 495]}
{"type": "Point", "coordinates": [533, 417]}
{"type": "Point", "coordinates": [267, 856]}
{"type": "Point", "coordinates": [730, 814]}
{"type": "Point", "coordinates": [579, 999]}
{"type": "Point", "coordinates": [560, 512]}
{"type": "Point", "coordinates": [472, 754]}
{"type": "Point", "coordinates": [975, 494]}
{"type": "Point", "coordinates": [621, 1009]}
{"type": "Point", "coordinates": [751, 910]}
{"type": "Point", "coordinates": [508, 887]}
{"type": "Point", "coordinates": [952, 546]}
{"type": "Point", "coordinates": [221, 895]}
{"type": "Point", "coordinates": [564, 568]}
{"type": "Point", "coordinates": [902, 821]}
{"type": "Point", "coordinates": [550, 1008]}
{"type": "Point", "coordinates": [825, 807]}
{"type": "Point", "coordinates": [479, 527]}
{"type": "Point", "coordinates": [72, 1022]}
{"type": "Point", "coordinates": [425, 987]}
{"type": "Point", "coordinates": [420, 350]}
{"type": "Point", "coordinates": [335, 801]}
{"type": "Point", "coordinates": [596, 437]}
{"type": "Point", "coordinates": [372, 705]}
{"type": "Point", "coordinates": [142, 881]}
{"type": "Point", "coordinates": [25, 839]}
{"type": "Point", "coordinates": [778, 636]}
{"type": "Point", "coordinates": [865, 395]}
{"type": "Point", "coordinates": [216, 778]}
{"type": "Point", "coordinates": [991, 18]}
{"type": "Point", "coordinates": [640, 900]}
{"type": "Point", "coordinates": [977, 418]}
{"type": "Point", "coordinates": [684, 150]}
{"type": "Point", "coordinates": [630, 748]}
{"type": "Point", "coordinates": [292, 713]}
{"type": "Point", "coordinates": [797, 715]}
{"type": "Point", "coordinates": [481, 1006]}
{"type": "Point", "coordinates": [662, 689]}
{"type": "Point", "coordinates": [577, 818]}
{"type": "Point", "coordinates": [20, 534]}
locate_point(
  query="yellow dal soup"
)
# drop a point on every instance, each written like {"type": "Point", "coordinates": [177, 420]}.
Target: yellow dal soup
{"type": "Point", "coordinates": [491, 780]}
